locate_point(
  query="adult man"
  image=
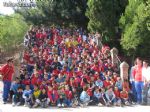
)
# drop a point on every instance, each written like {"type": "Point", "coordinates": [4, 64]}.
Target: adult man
{"type": "Point", "coordinates": [7, 71]}
{"type": "Point", "coordinates": [146, 79]}
{"type": "Point", "coordinates": [137, 74]}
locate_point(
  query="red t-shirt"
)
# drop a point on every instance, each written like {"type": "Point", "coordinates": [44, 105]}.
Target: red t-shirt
{"type": "Point", "coordinates": [68, 94]}
{"type": "Point", "coordinates": [137, 74]}
{"type": "Point", "coordinates": [26, 56]}
{"type": "Point", "coordinates": [54, 92]}
{"type": "Point", "coordinates": [106, 83]}
{"type": "Point", "coordinates": [34, 80]}
{"type": "Point", "coordinates": [26, 82]}
{"type": "Point", "coordinates": [117, 93]}
{"type": "Point", "coordinates": [89, 92]}
{"type": "Point", "coordinates": [124, 94]}
{"type": "Point", "coordinates": [7, 72]}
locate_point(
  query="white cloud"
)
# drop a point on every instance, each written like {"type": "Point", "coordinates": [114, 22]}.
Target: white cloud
{"type": "Point", "coordinates": [9, 10]}
{"type": "Point", "coordinates": [6, 10]}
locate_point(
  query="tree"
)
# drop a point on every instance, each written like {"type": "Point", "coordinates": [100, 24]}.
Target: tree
{"type": "Point", "coordinates": [59, 12]}
{"type": "Point", "coordinates": [104, 16]}
{"type": "Point", "coordinates": [32, 15]}
{"type": "Point", "coordinates": [12, 31]}
{"type": "Point", "coordinates": [135, 24]}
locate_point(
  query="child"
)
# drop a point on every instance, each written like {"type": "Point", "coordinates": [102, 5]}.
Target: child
{"type": "Point", "coordinates": [43, 98]}
{"type": "Point", "coordinates": [27, 96]}
{"type": "Point", "coordinates": [124, 97]}
{"type": "Point", "coordinates": [14, 87]}
{"type": "Point", "coordinates": [97, 96]}
{"type": "Point", "coordinates": [119, 83]}
{"type": "Point", "coordinates": [17, 98]}
{"type": "Point", "coordinates": [62, 97]}
{"type": "Point", "coordinates": [99, 83]}
{"type": "Point", "coordinates": [69, 96]}
{"type": "Point", "coordinates": [117, 94]}
{"type": "Point", "coordinates": [110, 96]}
{"type": "Point", "coordinates": [84, 97]}
{"type": "Point", "coordinates": [43, 85]}
{"type": "Point", "coordinates": [75, 97]}
{"type": "Point", "coordinates": [52, 95]}
{"type": "Point", "coordinates": [35, 96]}
{"type": "Point", "coordinates": [26, 81]}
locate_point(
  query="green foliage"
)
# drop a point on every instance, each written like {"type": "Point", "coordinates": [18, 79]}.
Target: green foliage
{"type": "Point", "coordinates": [59, 12]}
{"type": "Point", "coordinates": [12, 31]}
{"type": "Point", "coordinates": [135, 24]}
{"type": "Point", "coordinates": [32, 15]}
{"type": "Point", "coordinates": [104, 16]}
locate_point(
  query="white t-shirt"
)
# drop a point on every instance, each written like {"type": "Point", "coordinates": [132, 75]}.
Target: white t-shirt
{"type": "Point", "coordinates": [84, 38]}
{"type": "Point", "coordinates": [146, 73]}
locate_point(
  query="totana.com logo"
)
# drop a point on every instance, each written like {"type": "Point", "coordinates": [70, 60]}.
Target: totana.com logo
{"type": "Point", "coordinates": [22, 3]}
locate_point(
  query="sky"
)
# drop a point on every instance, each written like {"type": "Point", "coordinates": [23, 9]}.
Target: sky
{"type": "Point", "coordinates": [7, 10]}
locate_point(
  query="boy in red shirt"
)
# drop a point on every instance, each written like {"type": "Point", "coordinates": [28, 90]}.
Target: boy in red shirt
{"type": "Point", "coordinates": [124, 97]}
{"type": "Point", "coordinates": [117, 94]}
{"type": "Point", "coordinates": [68, 96]}
{"type": "Point", "coordinates": [52, 95]}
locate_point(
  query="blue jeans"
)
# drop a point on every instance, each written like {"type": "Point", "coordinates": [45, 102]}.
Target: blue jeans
{"type": "Point", "coordinates": [85, 100]}
{"type": "Point", "coordinates": [133, 92]}
{"type": "Point", "coordinates": [6, 89]}
{"type": "Point", "coordinates": [145, 94]}
{"type": "Point", "coordinates": [68, 102]}
{"type": "Point", "coordinates": [61, 101]}
{"type": "Point", "coordinates": [16, 99]}
{"type": "Point", "coordinates": [139, 88]}
{"type": "Point", "coordinates": [112, 100]}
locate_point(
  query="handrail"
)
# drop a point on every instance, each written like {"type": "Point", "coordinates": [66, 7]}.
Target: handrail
{"type": "Point", "coordinates": [118, 59]}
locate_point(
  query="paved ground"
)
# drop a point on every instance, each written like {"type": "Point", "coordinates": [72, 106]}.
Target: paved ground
{"type": "Point", "coordinates": [9, 108]}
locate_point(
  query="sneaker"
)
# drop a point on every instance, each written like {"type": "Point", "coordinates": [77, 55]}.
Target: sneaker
{"type": "Point", "coordinates": [25, 104]}
{"type": "Point", "coordinates": [81, 104]}
{"type": "Point", "coordinates": [127, 103]}
{"type": "Point", "coordinates": [59, 105]}
{"type": "Point", "coordinates": [35, 105]}
{"type": "Point", "coordinates": [63, 105]}
{"type": "Point", "coordinates": [13, 104]}
{"type": "Point", "coordinates": [86, 104]}
{"type": "Point", "coordinates": [134, 103]}
{"type": "Point", "coordinates": [18, 103]}
{"type": "Point", "coordinates": [100, 104]}
{"type": "Point", "coordinates": [107, 104]}
{"type": "Point", "coordinates": [4, 102]}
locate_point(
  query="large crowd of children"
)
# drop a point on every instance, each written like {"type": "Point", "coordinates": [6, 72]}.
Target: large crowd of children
{"type": "Point", "coordinates": [66, 68]}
